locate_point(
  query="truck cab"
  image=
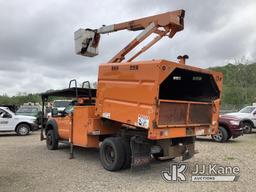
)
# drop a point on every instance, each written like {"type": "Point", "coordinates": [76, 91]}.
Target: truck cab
{"type": "Point", "coordinates": [63, 120]}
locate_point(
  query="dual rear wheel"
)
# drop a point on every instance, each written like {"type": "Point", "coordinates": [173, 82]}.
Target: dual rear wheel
{"type": "Point", "coordinates": [115, 154]}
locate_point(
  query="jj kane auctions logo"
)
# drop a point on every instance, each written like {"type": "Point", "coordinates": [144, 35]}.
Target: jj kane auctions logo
{"type": "Point", "coordinates": [200, 173]}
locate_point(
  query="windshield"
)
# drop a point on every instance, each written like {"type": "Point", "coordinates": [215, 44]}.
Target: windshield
{"type": "Point", "coordinates": [60, 103]}
{"type": "Point", "coordinates": [27, 110]}
{"type": "Point", "coordinates": [69, 108]}
{"type": "Point", "coordinates": [247, 110]}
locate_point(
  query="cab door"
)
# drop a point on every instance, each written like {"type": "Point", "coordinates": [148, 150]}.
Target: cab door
{"type": "Point", "coordinates": [65, 122]}
{"type": "Point", "coordinates": [64, 126]}
{"type": "Point", "coordinates": [6, 121]}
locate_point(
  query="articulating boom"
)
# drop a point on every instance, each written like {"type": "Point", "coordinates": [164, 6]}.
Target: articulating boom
{"type": "Point", "coordinates": [166, 24]}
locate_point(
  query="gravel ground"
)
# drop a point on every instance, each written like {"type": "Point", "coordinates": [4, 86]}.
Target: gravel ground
{"type": "Point", "coordinates": [26, 165]}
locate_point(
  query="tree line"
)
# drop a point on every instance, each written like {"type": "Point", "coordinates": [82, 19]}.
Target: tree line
{"type": "Point", "coordinates": [239, 88]}
{"type": "Point", "coordinates": [239, 85]}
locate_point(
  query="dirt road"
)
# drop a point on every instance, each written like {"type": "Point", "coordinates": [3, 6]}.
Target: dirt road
{"type": "Point", "coordinates": [26, 165]}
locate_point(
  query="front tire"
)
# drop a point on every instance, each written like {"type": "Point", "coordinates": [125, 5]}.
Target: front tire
{"type": "Point", "coordinates": [52, 141]}
{"type": "Point", "coordinates": [23, 129]}
{"type": "Point", "coordinates": [221, 136]}
{"type": "Point", "coordinates": [112, 154]}
{"type": "Point", "coordinates": [247, 128]}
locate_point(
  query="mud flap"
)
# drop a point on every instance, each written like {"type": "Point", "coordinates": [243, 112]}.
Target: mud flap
{"type": "Point", "coordinates": [140, 153]}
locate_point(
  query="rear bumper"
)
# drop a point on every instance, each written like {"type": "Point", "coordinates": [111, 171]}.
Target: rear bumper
{"type": "Point", "coordinates": [179, 132]}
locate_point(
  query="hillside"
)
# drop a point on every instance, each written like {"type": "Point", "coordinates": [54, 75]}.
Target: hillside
{"type": "Point", "coordinates": [239, 85]}
{"type": "Point", "coordinates": [239, 88]}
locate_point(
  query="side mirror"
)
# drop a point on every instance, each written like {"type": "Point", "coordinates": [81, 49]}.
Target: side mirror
{"type": "Point", "coordinates": [63, 113]}
{"type": "Point", "coordinates": [54, 112]}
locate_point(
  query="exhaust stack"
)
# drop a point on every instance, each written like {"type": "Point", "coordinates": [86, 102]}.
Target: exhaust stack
{"type": "Point", "coordinates": [182, 59]}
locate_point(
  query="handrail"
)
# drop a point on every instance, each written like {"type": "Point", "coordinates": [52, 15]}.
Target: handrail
{"type": "Point", "coordinates": [90, 92]}
{"type": "Point", "coordinates": [70, 82]}
{"type": "Point", "coordinates": [88, 82]}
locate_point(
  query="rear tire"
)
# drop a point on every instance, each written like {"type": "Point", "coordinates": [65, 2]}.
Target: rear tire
{"type": "Point", "coordinates": [221, 136]}
{"type": "Point", "coordinates": [112, 154]}
{"type": "Point", "coordinates": [23, 129]}
{"type": "Point", "coordinates": [52, 141]}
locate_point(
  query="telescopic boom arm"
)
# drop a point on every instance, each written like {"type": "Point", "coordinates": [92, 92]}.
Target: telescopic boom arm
{"type": "Point", "coordinates": [166, 24]}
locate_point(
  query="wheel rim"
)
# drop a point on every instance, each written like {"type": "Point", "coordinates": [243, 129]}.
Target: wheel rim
{"type": "Point", "coordinates": [109, 154]}
{"type": "Point", "coordinates": [49, 139]}
{"type": "Point", "coordinates": [23, 130]}
{"type": "Point", "coordinates": [247, 129]}
{"type": "Point", "coordinates": [218, 136]}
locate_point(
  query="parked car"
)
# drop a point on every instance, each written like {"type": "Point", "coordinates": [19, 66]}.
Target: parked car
{"type": "Point", "coordinates": [247, 116]}
{"type": "Point", "coordinates": [229, 127]}
{"type": "Point", "coordinates": [22, 125]}
{"type": "Point", "coordinates": [33, 110]}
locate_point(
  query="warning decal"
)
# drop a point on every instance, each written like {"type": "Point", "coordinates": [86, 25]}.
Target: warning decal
{"type": "Point", "coordinates": [106, 115]}
{"type": "Point", "coordinates": [143, 121]}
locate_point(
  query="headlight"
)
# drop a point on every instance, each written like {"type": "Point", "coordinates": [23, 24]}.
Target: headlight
{"type": "Point", "coordinates": [235, 122]}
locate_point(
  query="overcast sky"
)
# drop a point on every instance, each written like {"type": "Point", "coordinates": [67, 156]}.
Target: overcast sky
{"type": "Point", "coordinates": [37, 47]}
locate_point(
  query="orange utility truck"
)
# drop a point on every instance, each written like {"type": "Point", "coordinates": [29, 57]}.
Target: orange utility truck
{"type": "Point", "coordinates": [141, 109]}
